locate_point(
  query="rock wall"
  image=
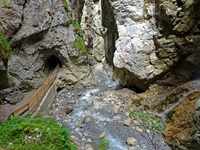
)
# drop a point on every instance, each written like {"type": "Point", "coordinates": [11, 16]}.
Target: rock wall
{"type": "Point", "coordinates": [38, 30]}
{"type": "Point", "coordinates": [91, 23]}
{"type": "Point", "coordinates": [156, 38]}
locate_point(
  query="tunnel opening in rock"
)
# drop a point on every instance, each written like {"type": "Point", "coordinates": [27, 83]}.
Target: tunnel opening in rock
{"type": "Point", "coordinates": [51, 63]}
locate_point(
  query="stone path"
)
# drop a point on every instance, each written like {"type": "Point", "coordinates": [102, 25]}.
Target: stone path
{"type": "Point", "coordinates": [102, 108]}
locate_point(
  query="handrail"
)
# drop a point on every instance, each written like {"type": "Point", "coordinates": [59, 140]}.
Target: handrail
{"type": "Point", "coordinates": [33, 102]}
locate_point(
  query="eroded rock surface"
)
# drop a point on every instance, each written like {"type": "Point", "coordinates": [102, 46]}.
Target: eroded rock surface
{"type": "Point", "coordinates": [39, 30]}
{"type": "Point", "coordinates": [154, 38]}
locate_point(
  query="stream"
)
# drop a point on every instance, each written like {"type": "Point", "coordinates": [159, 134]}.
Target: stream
{"type": "Point", "coordinates": [102, 108]}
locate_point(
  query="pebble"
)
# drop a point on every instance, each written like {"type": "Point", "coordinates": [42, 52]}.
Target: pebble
{"type": "Point", "coordinates": [131, 141]}
{"type": "Point", "coordinates": [128, 122]}
{"type": "Point", "coordinates": [102, 135]}
{"type": "Point", "coordinates": [88, 119]}
{"type": "Point", "coordinates": [73, 138]}
{"type": "Point", "coordinates": [138, 129]}
{"type": "Point", "coordinates": [72, 102]}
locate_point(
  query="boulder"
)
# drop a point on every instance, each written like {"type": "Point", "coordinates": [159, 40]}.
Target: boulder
{"type": "Point", "coordinates": [152, 41]}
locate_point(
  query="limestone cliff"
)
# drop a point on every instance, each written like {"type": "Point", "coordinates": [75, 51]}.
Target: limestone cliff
{"type": "Point", "coordinates": [155, 38]}
{"type": "Point", "coordinates": [40, 33]}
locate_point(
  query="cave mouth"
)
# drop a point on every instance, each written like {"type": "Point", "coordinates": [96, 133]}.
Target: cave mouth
{"type": "Point", "coordinates": [51, 63]}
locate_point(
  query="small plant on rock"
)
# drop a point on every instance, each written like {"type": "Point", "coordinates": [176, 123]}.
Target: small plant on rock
{"type": "Point", "coordinates": [65, 3]}
{"type": "Point", "coordinates": [5, 4]}
{"type": "Point", "coordinates": [151, 126]}
{"type": "Point", "coordinates": [79, 43]}
{"type": "Point", "coordinates": [102, 144]}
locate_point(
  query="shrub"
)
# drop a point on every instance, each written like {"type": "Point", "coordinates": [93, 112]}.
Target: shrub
{"type": "Point", "coordinates": [34, 134]}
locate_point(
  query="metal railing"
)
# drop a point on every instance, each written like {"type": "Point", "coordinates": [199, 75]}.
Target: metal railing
{"type": "Point", "coordinates": [33, 102]}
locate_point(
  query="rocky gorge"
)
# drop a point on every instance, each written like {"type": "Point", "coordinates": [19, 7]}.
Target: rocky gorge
{"type": "Point", "coordinates": [149, 46]}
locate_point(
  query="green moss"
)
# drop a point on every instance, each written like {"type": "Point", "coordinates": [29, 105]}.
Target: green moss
{"type": "Point", "coordinates": [11, 79]}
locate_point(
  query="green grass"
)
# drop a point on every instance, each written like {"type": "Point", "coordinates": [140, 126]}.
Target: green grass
{"type": "Point", "coordinates": [34, 134]}
{"type": "Point", "coordinates": [102, 144]}
{"type": "Point", "coordinates": [79, 45]}
{"type": "Point", "coordinates": [65, 3]}
{"type": "Point", "coordinates": [6, 4]}
{"type": "Point", "coordinates": [77, 28]}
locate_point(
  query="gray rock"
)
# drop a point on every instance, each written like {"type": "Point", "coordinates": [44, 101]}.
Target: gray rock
{"type": "Point", "coordinates": [128, 122]}
{"type": "Point", "coordinates": [88, 119]}
{"type": "Point", "coordinates": [131, 141]}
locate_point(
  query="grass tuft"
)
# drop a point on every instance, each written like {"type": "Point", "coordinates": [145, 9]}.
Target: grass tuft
{"type": "Point", "coordinates": [34, 134]}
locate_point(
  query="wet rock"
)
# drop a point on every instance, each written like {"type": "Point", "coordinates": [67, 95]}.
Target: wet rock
{"type": "Point", "coordinates": [131, 141]}
{"type": "Point", "coordinates": [88, 119]}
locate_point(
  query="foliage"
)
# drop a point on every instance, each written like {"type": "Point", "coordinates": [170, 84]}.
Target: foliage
{"type": "Point", "coordinates": [5, 4]}
{"type": "Point", "coordinates": [102, 144]}
{"type": "Point", "coordinates": [198, 106]}
{"type": "Point", "coordinates": [77, 28]}
{"type": "Point", "coordinates": [65, 3]}
{"type": "Point", "coordinates": [151, 126]}
{"type": "Point", "coordinates": [5, 49]}
{"type": "Point", "coordinates": [79, 45]}
{"type": "Point", "coordinates": [34, 134]}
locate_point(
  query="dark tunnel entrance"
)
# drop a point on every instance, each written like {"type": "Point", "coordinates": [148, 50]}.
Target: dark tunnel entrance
{"type": "Point", "coordinates": [51, 63]}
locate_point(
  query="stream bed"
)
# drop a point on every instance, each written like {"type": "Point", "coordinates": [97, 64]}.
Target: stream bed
{"type": "Point", "coordinates": [100, 109]}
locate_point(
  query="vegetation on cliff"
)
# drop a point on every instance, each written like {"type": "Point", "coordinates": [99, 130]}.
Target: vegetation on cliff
{"type": "Point", "coordinates": [79, 43]}
{"type": "Point", "coordinates": [5, 50]}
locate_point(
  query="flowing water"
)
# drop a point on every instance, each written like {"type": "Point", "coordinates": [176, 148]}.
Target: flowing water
{"type": "Point", "coordinates": [90, 112]}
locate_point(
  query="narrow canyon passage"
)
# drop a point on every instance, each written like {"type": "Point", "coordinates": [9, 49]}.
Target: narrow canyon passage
{"type": "Point", "coordinates": [102, 108]}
